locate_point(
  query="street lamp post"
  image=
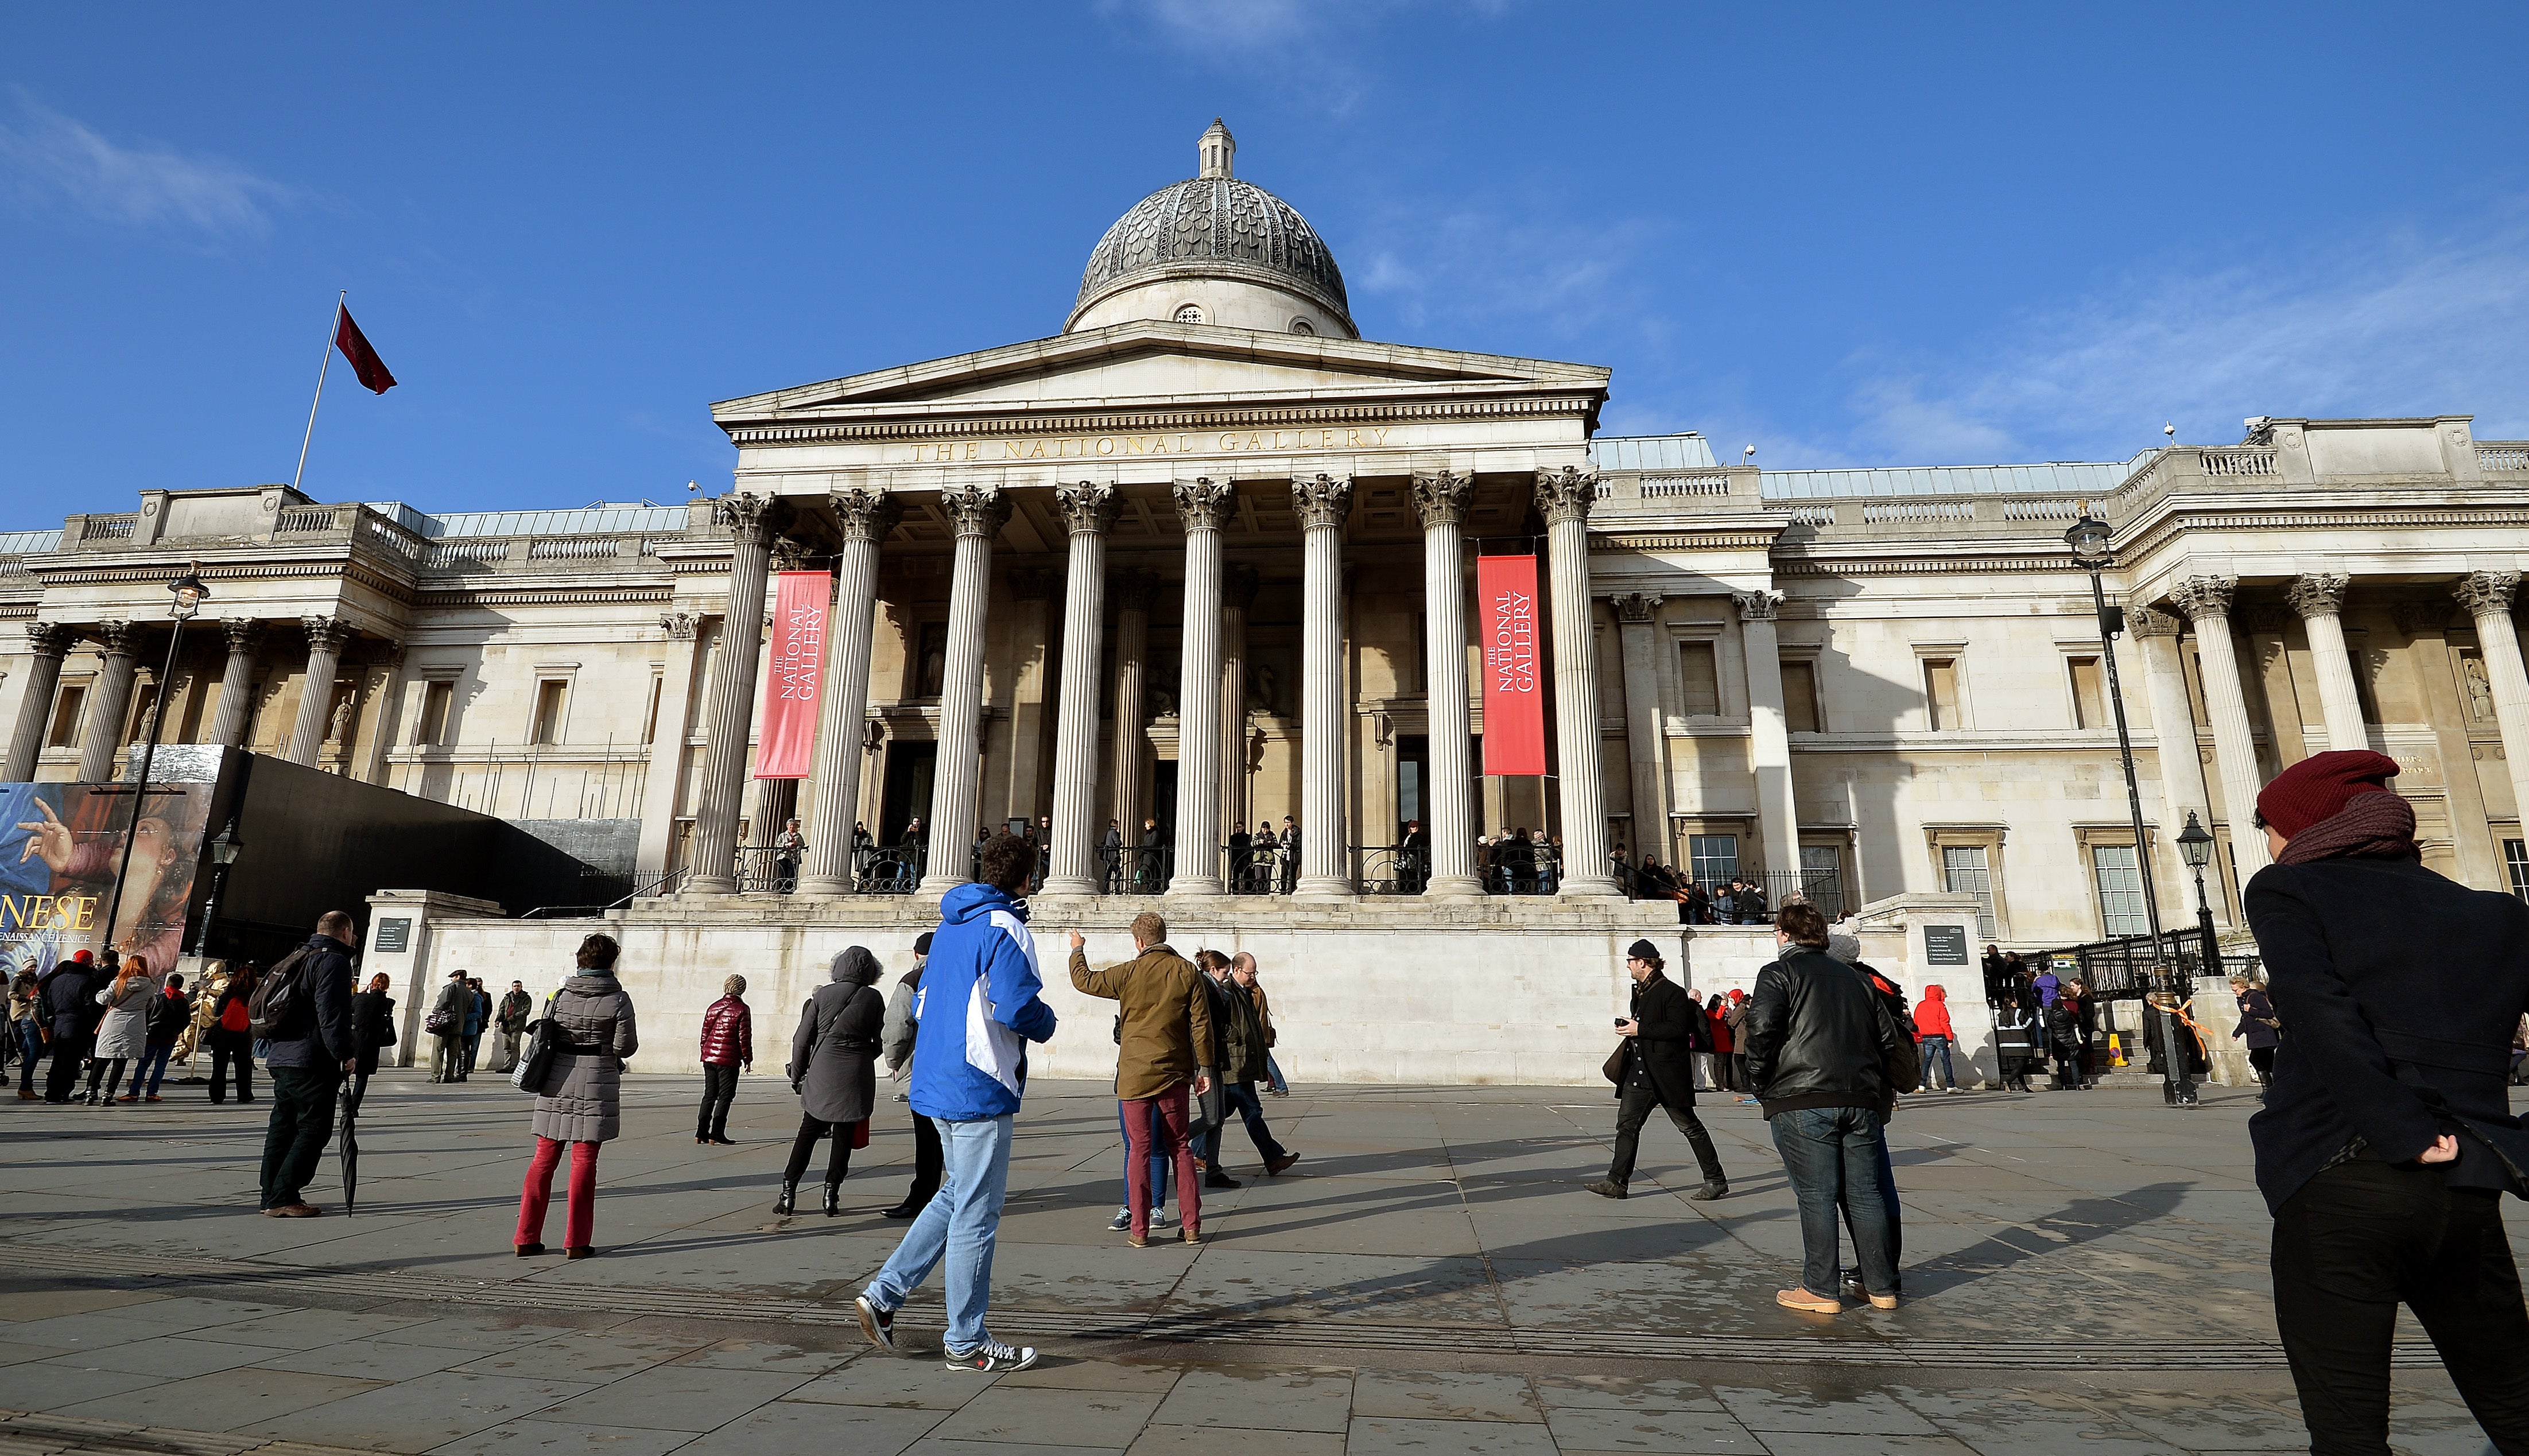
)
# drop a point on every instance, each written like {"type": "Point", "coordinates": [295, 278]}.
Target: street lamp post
{"type": "Point", "coordinates": [2196, 847]}
{"type": "Point", "coordinates": [190, 593]}
{"type": "Point", "coordinates": [2088, 537]}
{"type": "Point", "coordinates": [225, 850]}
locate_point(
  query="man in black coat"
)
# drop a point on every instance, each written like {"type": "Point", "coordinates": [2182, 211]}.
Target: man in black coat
{"type": "Point", "coordinates": [2386, 1138]}
{"type": "Point", "coordinates": [1658, 1071]}
{"type": "Point", "coordinates": [311, 1053]}
{"type": "Point", "coordinates": [64, 997]}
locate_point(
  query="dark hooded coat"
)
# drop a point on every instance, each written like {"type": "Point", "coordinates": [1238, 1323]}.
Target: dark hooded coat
{"type": "Point", "coordinates": [833, 1055]}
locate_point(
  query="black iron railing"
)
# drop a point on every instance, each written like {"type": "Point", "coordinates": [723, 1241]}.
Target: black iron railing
{"type": "Point", "coordinates": [2128, 967]}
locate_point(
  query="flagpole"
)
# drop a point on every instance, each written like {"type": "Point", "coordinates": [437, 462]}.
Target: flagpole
{"type": "Point", "coordinates": [341, 301]}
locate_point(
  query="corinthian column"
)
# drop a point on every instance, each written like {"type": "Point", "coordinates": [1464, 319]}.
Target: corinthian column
{"type": "Point", "coordinates": [48, 642]}
{"type": "Point", "coordinates": [1769, 743]}
{"type": "Point", "coordinates": [1200, 504]}
{"type": "Point", "coordinates": [2320, 601]}
{"type": "Point", "coordinates": [228, 724]}
{"type": "Point", "coordinates": [1238, 594]}
{"type": "Point", "coordinates": [1442, 498]}
{"type": "Point", "coordinates": [1564, 497]}
{"type": "Point", "coordinates": [1646, 734]}
{"type": "Point", "coordinates": [2487, 596]}
{"type": "Point", "coordinates": [2173, 735]}
{"type": "Point", "coordinates": [976, 513]}
{"type": "Point", "coordinates": [1088, 512]}
{"type": "Point", "coordinates": [1132, 706]}
{"type": "Point", "coordinates": [1321, 502]}
{"type": "Point", "coordinates": [2206, 601]}
{"type": "Point", "coordinates": [108, 703]}
{"type": "Point", "coordinates": [866, 516]}
{"type": "Point", "coordinates": [722, 789]}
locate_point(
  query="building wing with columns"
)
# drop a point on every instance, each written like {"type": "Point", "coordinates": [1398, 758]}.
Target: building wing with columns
{"type": "Point", "coordinates": [1203, 560]}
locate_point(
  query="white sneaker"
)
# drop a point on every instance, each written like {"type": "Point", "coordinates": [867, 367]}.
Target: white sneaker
{"type": "Point", "coordinates": [992, 1358]}
{"type": "Point", "coordinates": [1159, 1218]}
{"type": "Point", "coordinates": [1123, 1220]}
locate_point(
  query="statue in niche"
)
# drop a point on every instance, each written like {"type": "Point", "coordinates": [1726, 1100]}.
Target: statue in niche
{"type": "Point", "coordinates": [342, 725]}
{"type": "Point", "coordinates": [1260, 689]}
{"type": "Point", "coordinates": [2479, 692]}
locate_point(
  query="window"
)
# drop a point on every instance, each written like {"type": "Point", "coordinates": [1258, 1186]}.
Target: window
{"type": "Point", "coordinates": [650, 718]}
{"type": "Point", "coordinates": [2515, 858]}
{"type": "Point", "coordinates": [1188, 314]}
{"type": "Point", "coordinates": [436, 701]}
{"type": "Point", "coordinates": [1966, 870]}
{"type": "Point", "coordinates": [1941, 693]}
{"type": "Point", "coordinates": [1799, 698]}
{"type": "Point", "coordinates": [1298, 325]}
{"type": "Point", "coordinates": [1698, 679]}
{"type": "Point", "coordinates": [66, 718]}
{"type": "Point", "coordinates": [1712, 859]}
{"type": "Point", "coordinates": [1822, 878]}
{"type": "Point", "coordinates": [2119, 883]}
{"type": "Point", "coordinates": [548, 698]}
{"type": "Point", "coordinates": [2089, 699]}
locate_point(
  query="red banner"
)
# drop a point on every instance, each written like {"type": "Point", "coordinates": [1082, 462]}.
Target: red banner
{"type": "Point", "coordinates": [787, 742]}
{"type": "Point", "coordinates": [1514, 681]}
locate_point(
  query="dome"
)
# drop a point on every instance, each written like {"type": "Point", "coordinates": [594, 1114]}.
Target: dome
{"type": "Point", "coordinates": [1216, 227]}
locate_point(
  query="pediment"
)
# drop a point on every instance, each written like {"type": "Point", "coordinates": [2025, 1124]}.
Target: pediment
{"type": "Point", "coordinates": [1158, 367]}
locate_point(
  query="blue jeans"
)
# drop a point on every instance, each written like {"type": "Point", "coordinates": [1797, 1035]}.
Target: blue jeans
{"type": "Point", "coordinates": [1242, 1097]}
{"type": "Point", "coordinates": [1163, 1153]}
{"type": "Point", "coordinates": [152, 1068]}
{"type": "Point", "coordinates": [1273, 1077]}
{"type": "Point", "coordinates": [1937, 1048]}
{"type": "Point", "coordinates": [958, 1223]}
{"type": "Point", "coordinates": [30, 1049]}
{"type": "Point", "coordinates": [1831, 1155]}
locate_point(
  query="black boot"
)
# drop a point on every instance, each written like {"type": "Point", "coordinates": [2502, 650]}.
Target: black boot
{"type": "Point", "coordinates": [788, 1202]}
{"type": "Point", "coordinates": [912, 1208]}
{"type": "Point", "coordinates": [1706, 1158]}
{"type": "Point", "coordinates": [833, 1199]}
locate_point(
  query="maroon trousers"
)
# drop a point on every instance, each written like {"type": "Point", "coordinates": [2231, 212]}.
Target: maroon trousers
{"type": "Point", "coordinates": [1171, 1105]}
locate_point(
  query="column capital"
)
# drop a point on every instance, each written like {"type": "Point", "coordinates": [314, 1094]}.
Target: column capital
{"type": "Point", "coordinates": [1034, 583]}
{"type": "Point", "coordinates": [1566, 494]}
{"type": "Point", "coordinates": [1441, 498]}
{"type": "Point", "coordinates": [679, 626]}
{"type": "Point", "coordinates": [2318, 594]}
{"type": "Point", "coordinates": [242, 632]}
{"type": "Point", "coordinates": [2143, 622]}
{"type": "Point", "coordinates": [2200, 596]}
{"type": "Point", "coordinates": [744, 512]}
{"type": "Point", "coordinates": [866, 515]}
{"type": "Point", "coordinates": [1321, 500]}
{"type": "Point", "coordinates": [975, 509]}
{"type": "Point", "coordinates": [114, 636]}
{"type": "Point", "coordinates": [2487, 593]}
{"type": "Point", "coordinates": [49, 639]}
{"type": "Point", "coordinates": [1757, 606]}
{"type": "Point", "coordinates": [1637, 608]}
{"type": "Point", "coordinates": [1238, 587]}
{"type": "Point", "coordinates": [1203, 503]}
{"type": "Point", "coordinates": [1090, 507]}
{"type": "Point", "coordinates": [1133, 591]}
{"type": "Point", "coordinates": [325, 633]}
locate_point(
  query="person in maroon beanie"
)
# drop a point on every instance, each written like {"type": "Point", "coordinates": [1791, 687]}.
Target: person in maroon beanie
{"type": "Point", "coordinates": [2387, 1140]}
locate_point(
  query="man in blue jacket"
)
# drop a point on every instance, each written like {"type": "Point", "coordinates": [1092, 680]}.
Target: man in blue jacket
{"type": "Point", "coordinates": [969, 1072]}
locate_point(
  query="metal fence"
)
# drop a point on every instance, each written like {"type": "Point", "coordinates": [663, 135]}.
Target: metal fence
{"type": "Point", "coordinates": [2130, 966]}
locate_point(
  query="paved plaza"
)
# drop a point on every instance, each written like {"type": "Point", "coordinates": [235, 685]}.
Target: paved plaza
{"type": "Point", "coordinates": [2084, 1272]}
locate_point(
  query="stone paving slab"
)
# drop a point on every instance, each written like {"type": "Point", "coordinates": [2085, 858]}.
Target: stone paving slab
{"type": "Point", "coordinates": [2083, 1273]}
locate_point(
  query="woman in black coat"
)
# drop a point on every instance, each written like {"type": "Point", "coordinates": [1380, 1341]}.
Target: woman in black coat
{"type": "Point", "coordinates": [372, 1027]}
{"type": "Point", "coordinates": [833, 1067]}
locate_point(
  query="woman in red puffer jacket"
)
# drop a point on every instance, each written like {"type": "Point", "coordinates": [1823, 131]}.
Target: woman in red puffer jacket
{"type": "Point", "coordinates": [728, 1043]}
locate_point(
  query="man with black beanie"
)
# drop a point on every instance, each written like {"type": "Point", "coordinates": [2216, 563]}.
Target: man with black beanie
{"type": "Point", "coordinates": [1654, 1068]}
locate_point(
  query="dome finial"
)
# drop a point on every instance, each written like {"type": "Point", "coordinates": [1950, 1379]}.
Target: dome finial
{"type": "Point", "coordinates": [1217, 150]}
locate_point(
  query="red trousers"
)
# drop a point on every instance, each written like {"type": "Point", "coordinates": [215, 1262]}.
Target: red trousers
{"type": "Point", "coordinates": [581, 1221]}
{"type": "Point", "coordinates": [1171, 1105]}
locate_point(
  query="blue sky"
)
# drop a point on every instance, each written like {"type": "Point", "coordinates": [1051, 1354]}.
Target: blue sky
{"type": "Point", "coordinates": [1865, 235]}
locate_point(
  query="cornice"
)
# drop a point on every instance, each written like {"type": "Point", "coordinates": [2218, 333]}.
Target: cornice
{"type": "Point", "coordinates": [1156, 422]}
{"type": "Point", "coordinates": [1914, 565]}
{"type": "Point", "coordinates": [1726, 538]}
{"type": "Point", "coordinates": [2168, 528]}
{"type": "Point", "coordinates": [531, 597]}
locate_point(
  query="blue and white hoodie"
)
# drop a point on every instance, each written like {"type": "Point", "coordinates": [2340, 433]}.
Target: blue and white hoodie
{"type": "Point", "coordinates": [970, 1051]}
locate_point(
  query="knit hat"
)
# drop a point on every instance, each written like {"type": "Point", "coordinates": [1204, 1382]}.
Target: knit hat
{"type": "Point", "coordinates": [2318, 787]}
{"type": "Point", "coordinates": [922, 943]}
{"type": "Point", "coordinates": [1642, 950]}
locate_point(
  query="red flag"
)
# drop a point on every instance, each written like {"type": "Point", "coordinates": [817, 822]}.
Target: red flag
{"type": "Point", "coordinates": [363, 359]}
{"type": "Point", "coordinates": [1514, 691]}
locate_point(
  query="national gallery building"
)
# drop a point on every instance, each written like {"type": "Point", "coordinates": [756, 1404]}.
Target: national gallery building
{"type": "Point", "coordinates": [1206, 558]}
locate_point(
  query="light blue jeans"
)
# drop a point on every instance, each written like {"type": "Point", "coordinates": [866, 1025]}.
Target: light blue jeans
{"type": "Point", "coordinates": [961, 1223]}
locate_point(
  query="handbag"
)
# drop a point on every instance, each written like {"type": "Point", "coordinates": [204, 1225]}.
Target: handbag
{"type": "Point", "coordinates": [544, 1042]}
{"type": "Point", "coordinates": [440, 1023]}
{"type": "Point", "coordinates": [1615, 1067]}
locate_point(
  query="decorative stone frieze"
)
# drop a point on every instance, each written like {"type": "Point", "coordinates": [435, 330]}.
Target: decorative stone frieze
{"type": "Point", "coordinates": [2143, 622]}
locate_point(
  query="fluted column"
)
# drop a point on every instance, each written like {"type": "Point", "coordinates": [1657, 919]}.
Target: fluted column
{"type": "Point", "coordinates": [2320, 601]}
{"type": "Point", "coordinates": [1201, 504]}
{"type": "Point", "coordinates": [237, 681]}
{"type": "Point", "coordinates": [1088, 512]}
{"type": "Point", "coordinates": [1238, 594]}
{"type": "Point", "coordinates": [47, 642]}
{"type": "Point", "coordinates": [1769, 743]}
{"type": "Point", "coordinates": [1132, 741]}
{"type": "Point", "coordinates": [2206, 601]}
{"type": "Point", "coordinates": [325, 638]}
{"type": "Point", "coordinates": [108, 702]}
{"type": "Point", "coordinates": [663, 777]}
{"type": "Point", "coordinates": [1646, 734]}
{"type": "Point", "coordinates": [2487, 596]}
{"type": "Point", "coordinates": [2172, 733]}
{"type": "Point", "coordinates": [866, 516]}
{"type": "Point", "coordinates": [1321, 502]}
{"type": "Point", "coordinates": [722, 790]}
{"type": "Point", "coordinates": [1564, 497]}
{"type": "Point", "coordinates": [1442, 498]}
{"type": "Point", "coordinates": [976, 513]}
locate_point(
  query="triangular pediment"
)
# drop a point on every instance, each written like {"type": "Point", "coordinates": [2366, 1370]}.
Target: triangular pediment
{"type": "Point", "coordinates": [1159, 366]}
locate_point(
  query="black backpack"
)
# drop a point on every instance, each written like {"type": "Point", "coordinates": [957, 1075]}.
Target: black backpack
{"type": "Point", "coordinates": [280, 1001]}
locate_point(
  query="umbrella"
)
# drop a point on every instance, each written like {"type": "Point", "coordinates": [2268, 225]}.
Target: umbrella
{"type": "Point", "coordinates": [350, 1150]}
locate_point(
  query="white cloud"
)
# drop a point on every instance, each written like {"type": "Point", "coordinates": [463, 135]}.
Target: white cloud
{"type": "Point", "coordinates": [1431, 269]}
{"type": "Point", "coordinates": [53, 156]}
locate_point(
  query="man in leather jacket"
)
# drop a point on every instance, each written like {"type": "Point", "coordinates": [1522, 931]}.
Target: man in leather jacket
{"type": "Point", "coordinates": [1818, 1042]}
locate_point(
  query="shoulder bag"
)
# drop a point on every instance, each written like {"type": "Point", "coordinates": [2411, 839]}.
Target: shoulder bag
{"type": "Point", "coordinates": [544, 1042]}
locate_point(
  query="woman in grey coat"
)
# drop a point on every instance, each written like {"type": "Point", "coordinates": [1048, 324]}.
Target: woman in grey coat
{"type": "Point", "coordinates": [834, 1060]}
{"type": "Point", "coordinates": [581, 1099]}
{"type": "Point", "coordinates": [124, 1037]}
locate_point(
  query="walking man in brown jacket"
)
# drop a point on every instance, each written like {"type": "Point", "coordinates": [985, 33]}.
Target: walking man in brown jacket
{"type": "Point", "coordinates": [1167, 1015]}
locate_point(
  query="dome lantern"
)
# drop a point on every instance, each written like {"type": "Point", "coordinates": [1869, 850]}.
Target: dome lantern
{"type": "Point", "coordinates": [1217, 151]}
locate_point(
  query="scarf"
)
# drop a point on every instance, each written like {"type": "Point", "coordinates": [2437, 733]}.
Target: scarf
{"type": "Point", "coordinates": [2371, 825]}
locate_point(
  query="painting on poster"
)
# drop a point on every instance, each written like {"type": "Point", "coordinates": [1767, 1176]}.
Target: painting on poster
{"type": "Point", "coordinates": [61, 845]}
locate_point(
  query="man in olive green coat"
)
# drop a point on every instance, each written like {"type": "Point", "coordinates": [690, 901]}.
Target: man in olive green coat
{"type": "Point", "coordinates": [1165, 1021]}
{"type": "Point", "coordinates": [1241, 1064]}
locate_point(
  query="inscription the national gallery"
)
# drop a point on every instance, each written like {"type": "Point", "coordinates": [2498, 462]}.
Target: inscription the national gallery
{"type": "Point", "coordinates": [998, 449]}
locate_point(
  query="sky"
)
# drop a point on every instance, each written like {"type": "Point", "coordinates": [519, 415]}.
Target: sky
{"type": "Point", "coordinates": [1863, 235]}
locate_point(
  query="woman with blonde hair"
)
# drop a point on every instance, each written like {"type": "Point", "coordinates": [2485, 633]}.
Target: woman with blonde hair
{"type": "Point", "coordinates": [123, 1039]}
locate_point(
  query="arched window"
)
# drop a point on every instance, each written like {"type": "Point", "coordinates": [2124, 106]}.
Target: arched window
{"type": "Point", "coordinates": [1188, 314]}
{"type": "Point", "coordinates": [1302, 326]}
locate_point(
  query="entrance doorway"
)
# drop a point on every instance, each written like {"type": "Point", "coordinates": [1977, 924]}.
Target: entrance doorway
{"type": "Point", "coordinates": [906, 795]}
{"type": "Point", "coordinates": [1413, 780]}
